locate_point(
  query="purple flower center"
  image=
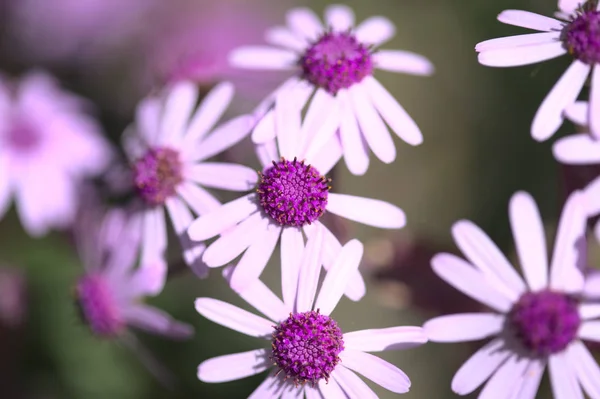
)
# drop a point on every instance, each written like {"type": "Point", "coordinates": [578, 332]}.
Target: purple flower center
{"type": "Point", "coordinates": [22, 136]}
{"type": "Point", "coordinates": [306, 346]}
{"type": "Point", "coordinates": [336, 61]}
{"type": "Point", "coordinates": [98, 307]}
{"type": "Point", "coordinates": [545, 322]}
{"type": "Point", "coordinates": [582, 36]}
{"type": "Point", "coordinates": [292, 193]}
{"type": "Point", "coordinates": [157, 174]}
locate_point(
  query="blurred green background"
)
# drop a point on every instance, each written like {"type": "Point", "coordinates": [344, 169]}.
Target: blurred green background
{"type": "Point", "coordinates": [477, 152]}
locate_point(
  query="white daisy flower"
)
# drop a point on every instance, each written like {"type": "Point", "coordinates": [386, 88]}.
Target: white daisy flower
{"type": "Point", "coordinates": [334, 64]}
{"type": "Point", "coordinates": [310, 355]}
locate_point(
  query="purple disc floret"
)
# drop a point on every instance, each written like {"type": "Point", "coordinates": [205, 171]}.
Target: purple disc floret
{"type": "Point", "coordinates": [306, 347]}
{"type": "Point", "coordinates": [336, 61]}
{"type": "Point", "coordinates": [582, 36]}
{"type": "Point", "coordinates": [98, 306]}
{"type": "Point", "coordinates": [545, 322]}
{"type": "Point", "coordinates": [157, 174]}
{"type": "Point", "coordinates": [293, 193]}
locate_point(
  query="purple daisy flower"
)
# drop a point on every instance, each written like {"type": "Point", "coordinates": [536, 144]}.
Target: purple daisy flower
{"type": "Point", "coordinates": [308, 353]}
{"type": "Point", "coordinates": [168, 148]}
{"type": "Point", "coordinates": [336, 64]}
{"type": "Point", "coordinates": [533, 323]}
{"type": "Point", "coordinates": [291, 196]}
{"type": "Point", "coordinates": [575, 31]}
{"type": "Point", "coordinates": [48, 146]}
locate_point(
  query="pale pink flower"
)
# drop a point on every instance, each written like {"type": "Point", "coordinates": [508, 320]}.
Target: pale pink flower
{"type": "Point", "coordinates": [168, 148]}
{"type": "Point", "coordinates": [48, 145]}
{"type": "Point", "coordinates": [533, 323]}
{"type": "Point", "coordinates": [291, 196]}
{"type": "Point", "coordinates": [334, 64]}
{"type": "Point", "coordinates": [574, 32]}
{"type": "Point", "coordinates": [307, 351]}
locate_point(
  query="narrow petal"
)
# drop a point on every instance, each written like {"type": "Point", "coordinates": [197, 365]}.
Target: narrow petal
{"type": "Point", "coordinates": [209, 112]}
{"type": "Point", "coordinates": [577, 149]}
{"type": "Point", "coordinates": [147, 280]}
{"type": "Point", "coordinates": [197, 198]}
{"type": "Point", "coordinates": [287, 124]}
{"type": "Point", "coordinates": [177, 110]}
{"type": "Point", "coordinates": [271, 387]}
{"type": "Point", "coordinates": [292, 246]}
{"type": "Point", "coordinates": [233, 317]}
{"type": "Point", "coordinates": [328, 156]}
{"type": "Point", "coordinates": [305, 23]}
{"type": "Point", "coordinates": [265, 129]}
{"type": "Point", "coordinates": [392, 112]}
{"type": "Point", "coordinates": [339, 17]}
{"type": "Point", "coordinates": [479, 367]}
{"type": "Point", "coordinates": [154, 236]}
{"type": "Point", "coordinates": [463, 327]}
{"type": "Point", "coordinates": [310, 267]}
{"type": "Point", "coordinates": [337, 278]}
{"type": "Point", "coordinates": [375, 31]}
{"type": "Point", "coordinates": [569, 6]}
{"type": "Point", "coordinates": [485, 255]}
{"type": "Point", "coordinates": [589, 311]}
{"type": "Point", "coordinates": [530, 239]}
{"type": "Point", "coordinates": [385, 339]}
{"type": "Point", "coordinates": [377, 370]}
{"type": "Point", "coordinates": [530, 20]}
{"type": "Point", "coordinates": [267, 153]}
{"type": "Point", "coordinates": [356, 153]}
{"type": "Point", "coordinates": [223, 137]}
{"type": "Point", "coordinates": [352, 384]}
{"type": "Point", "coordinates": [371, 125]}
{"type": "Point", "coordinates": [578, 113]}
{"type": "Point", "coordinates": [233, 367]}
{"type": "Point", "coordinates": [594, 105]}
{"type": "Point", "coordinates": [590, 331]}
{"type": "Point", "coordinates": [592, 285]}
{"type": "Point", "coordinates": [263, 57]}
{"type": "Point", "coordinates": [255, 259]}
{"type": "Point", "coordinates": [549, 115]}
{"type": "Point", "coordinates": [507, 380]}
{"type": "Point", "coordinates": [147, 119]}
{"type": "Point", "coordinates": [585, 368]}
{"type": "Point", "coordinates": [403, 62]}
{"type": "Point", "coordinates": [368, 211]}
{"type": "Point", "coordinates": [591, 194]}
{"type": "Point", "coordinates": [562, 378]}
{"type": "Point", "coordinates": [282, 37]}
{"type": "Point", "coordinates": [522, 55]}
{"type": "Point", "coordinates": [464, 277]}
{"type": "Point", "coordinates": [222, 218]}
{"type": "Point", "coordinates": [318, 137]}
{"type": "Point", "coordinates": [156, 321]}
{"type": "Point", "coordinates": [226, 176]}
{"type": "Point", "coordinates": [517, 41]}
{"type": "Point", "coordinates": [531, 380]}
{"type": "Point", "coordinates": [331, 389]}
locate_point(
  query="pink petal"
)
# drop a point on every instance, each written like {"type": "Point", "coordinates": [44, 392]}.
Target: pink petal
{"type": "Point", "coordinates": [377, 370]}
{"type": "Point", "coordinates": [594, 104]}
{"type": "Point", "coordinates": [223, 137]}
{"type": "Point", "coordinates": [287, 124]}
{"type": "Point", "coordinates": [517, 41]}
{"type": "Point", "coordinates": [507, 380]}
{"type": "Point", "coordinates": [154, 236]}
{"type": "Point", "coordinates": [356, 153]}
{"type": "Point", "coordinates": [563, 379]}
{"type": "Point", "coordinates": [147, 119]}
{"type": "Point", "coordinates": [233, 367]}
{"type": "Point", "coordinates": [585, 368]}
{"type": "Point", "coordinates": [403, 62]}
{"type": "Point", "coordinates": [292, 246]}
{"type": "Point", "coordinates": [530, 20]}
{"type": "Point", "coordinates": [282, 37]}
{"type": "Point", "coordinates": [590, 331]}
{"type": "Point", "coordinates": [263, 57]}
{"type": "Point", "coordinates": [577, 149]}
{"type": "Point", "coordinates": [375, 31]}
{"type": "Point", "coordinates": [384, 339]}
{"type": "Point", "coordinates": [233, 317]}
{"type": "Point", "coordinates": [569, 6]}
{"type": "Point", "coordinates": [352, 384]}
{"type": "Point", "coordinates": [589, 311]}
{"type": "Point", "coordinates": [331, 389]}
{"type": "Point", "coordinates": [156, 321]}
{"type": "Point", "coordinates": [531, 380]}
{"type": "Point", "coordinates": [271, 387]}
{"type": "Point", "coordinates": [197, 198]}
{"type": "Point", "coordinates": [222, 218]}
{"type": "Point", "coordinates": [578, 113]}
{"type": "Point", "coordinates": [463, 327]}
{"type": "Point", "coordinates": [265, 129]}
{"type": "Point", "coordinates": [226, 176]}
{"type": "Point", "coordinates": [522, 55]}
{"type": "Point", "coordinates": [339, 17]}
{"type": "Point", "coordinates": [178, 107]}
{"type": "Point", "coordinates": [310, 267]}
{"type": "Point", "coordinates": [209, 112]}
{"type": "Point", "coordinates": [304, 23]}
{"type": "Point", "coordinates": [368, 211]}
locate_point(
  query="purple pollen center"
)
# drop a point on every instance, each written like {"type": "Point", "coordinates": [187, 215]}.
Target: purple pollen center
{"type": "Point", "coordinates": [292, 193]}
{"type": "Point", "coordinates": [306, 347]}
{"type": "Point", "coordinates": [545, 322]}
{"type": "Point", "coordinates": [336, 61]}
{"type": "Point", "coordinates": [582, 36]}
{"type": "Point", "coordinates": [98, 306]}
{"type": "Point", "coordinates": [157, 174]}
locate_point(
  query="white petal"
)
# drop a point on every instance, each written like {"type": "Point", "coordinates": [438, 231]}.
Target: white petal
{"type": "Point", "coordinates": [403, 62]}
{"type": "Point", "coordinates": [209, 112]}
{"type": "Point", "coordinates": [154, 236]}
{"type": "Point", "coordinates": [585, 368]}
{"type": "Point", "coordinates": [356, 153]}
{"type": "Point", "coordinates": [549, 115]}
{"type": "Point", "coordinates": [315, 138]}
{"type": "Point", "coordinates": [328, 156]}
{"type": "Point", "coordinates": [223, 137]}
{"type": "Point", "coordinates": [267, 153]}
{"type": "Point", "coordinates": [197, 198]}
{"type": "Point", "coordinates": [562, 378]}
{"type": "Point", "coordinates": [282, 37]}
{"type": "Point", "coordinates": [594, 105]}
{"type": "Point", "coordinates": [178, 107]}
{"type": "Point", "coordinates": [591, 194]}
{"type": "Point", "coordinates": [233, 317]}
{"type": "Point", "coordinates": [570, 247]}
{"type": "Point", "coordinates": [578, 113]}
{"type": "Point", "coordinates": [506, 380]}
{"type": "Point", "coordinates": [233, 367]}
{"type": "Point", "coordinates": [222, 218]}
{"type": "Point", "coordinates": [517, 41]}
{"type": "Point", "coordinates": [530, 20]}
{"type": "Point", "coordinates": [590, 331]}
{"type": "Point", "coordinates": [354, 387]}
{"type": "Point", "coordinates": [531, 380]}
{"type": "Point", "coordinates": [479, 367]}
{"type": "Point", "coordinates": [337, 278]}
{"type": "Point", "coordinates": [271, 387]}
{"type": "Point", "coordinates": [310, 268]}
{"type": "Point", "coordinates": [592, 285]}
{"type": "Point", "coordinates": [292, 246]}
{"type": "Point", "coordinates": [463, 327]}
{"type": "Point", "coordinates": [392, 112]}
{"type": "Point", "coordinates": [589, 310]}
{"type": "Point", "coordinates": [577, 149]}
{"type": "Point", "coordinates": [287, 124]}
{"type": "Point", "coordinates": [255, 259]}
{"type": "Point", "coordinates": [331, 389]}
{"type": "Point", "coordinates": [569, 6]}
{"type": "Point", "coordinates": [530, 239]}
{"type": "Point", "coordinates": [265, 129]}
{"type": "Point", "coordinates": [523, 55]}
{"type": "Point", "coordinates": [147, 119]}
{"type": "Point", "coordinates": [464, 277]}
{"type": "Point", "coordinates": [375, 31]}
{"type": "Point", "coordinates": [368, 211]}
{"type": "Point", "coordinates": [485, 255]}
{"type": "Point", "coordinates": [385, 339]}
{"type": "Point", "coordinates": [339, 17]}
{"type": "Point", "coordinates": [371, 125]}
{"type": "Point", "coordinates": [226, 176]}
{"type": "Point", "coordinates": [377, 370]}
{"type": "Point", "coordinates": [155, 321]}
{"type": "Point", "coordinates": [304, 23]}
{"type": "Point", "coordinates": [263, 57]}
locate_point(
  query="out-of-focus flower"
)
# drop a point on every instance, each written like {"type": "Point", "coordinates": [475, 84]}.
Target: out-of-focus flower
{"type": "Point", "coordinates": [290, 198]}
{"type": "Point", "coordinates": [537, 322]}
{"type": "Point", "coordinates": [575, 31]}
{"type": "Point", "coordinates": [48, 145]}
{"type": "Point", "coordinates": [168, 147]}
{"type": "Point", "coordinates": [310, 353]}
{"type": "Point", "coordinates": [336, 64]}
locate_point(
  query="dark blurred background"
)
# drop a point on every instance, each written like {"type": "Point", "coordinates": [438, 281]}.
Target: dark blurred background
{"type": "Point", "coordinates": [477, 152]}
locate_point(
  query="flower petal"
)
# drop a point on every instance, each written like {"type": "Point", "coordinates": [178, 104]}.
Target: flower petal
{"type": "Point", "coordinates": [585, 368]}
{"type": "Point", "coordinates": [517, 41]}
{"type": "Point", "coordinates": [222, 218]}
{"type": "Point", "coordinates": [578, 113]}
{"type": "Point", "coordinates": [226, 176]}
{"type": "Point", "coordinates": [577, 149]}
{"type": "Point", "coordinates": [209, 112]}
{"type": "Point", "coordinates": [263, 57]}
{"type": "Point", "coordinates": [339, 17]}
{"type": "Point", "coordinates": [282, 37]}
{"type": "Point", "coordinates": [371, 212]}
{"type": "Point", "coordinates": [292, 247]}
{"type": "Point", "coordinates": [331, 389]}
{"type": "Point", "coordinates": [233, 317]}
{"type": "Point", "coordinates": [223, 137]}
{"type": "Point", "coordinates": [154, 235]}
{"type": "Point", "coordinates": [155, 321]}
{"type": "Point", "coordinates": [305, 23]}
{"type": "Point", "coordinates": [375, 31]}
{"type": "Point", "coordinates": [522, 55]}
{"type": "Point", "coordinates": [589, 310]}
{"type": "Point", "coordinates": [590, 331]}
{"type": "Point", "coordinates": [287, 125]}
{"type": "Point", "coordinates": [530, 20]}
{"type": "Point", "coordinates": [310, 268]}
{"type": "Point", "coordinates": [352, 384]}
{"type": "Point", "coordinates": [569, 6]}
{"type": "Point", "coordinates": [562, 378]}
{"type": "Point", "coordinates": [403, 62]}
{"type": "Point", "coordinates": [197, 198]}
{"type": "Point", "coordinates": [385, 339]}
{"type": "Point", "coordinates": [265, 128]}
{"type": "Point", "coordinates": [356, 153]}
{"type": "Point", "coordinates": [377, 370]}
{"type": "Point", "coordinates": [178, 108]}
{"type": "Point", "coordinates": [594, 104]}
{"type": "Point", "coordinates": [463, 327]}
{"type": "Point", "coordinates": [507, 380]}
{"type": "Point", "coordinates": [271, 387]}
{"type": "Point", "coordinates": [531, 380]}
{"type": "Point", "coordinates": [233, 367]}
